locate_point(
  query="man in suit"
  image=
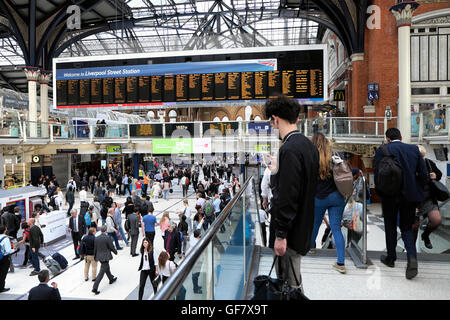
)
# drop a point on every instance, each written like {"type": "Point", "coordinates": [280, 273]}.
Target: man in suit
{"type": "Point", "coordinates": [102, 252]}
{"type": "Point", "coordinates": [77, 226]}
{"type": "Point", "coordinates": [43, 291]}
{"type": "Point", "coordinates": [172, 241]}
{"type": "Point", "coordinates": [133, 221]}
{"type": "Point", "coordinates": [402, 205]}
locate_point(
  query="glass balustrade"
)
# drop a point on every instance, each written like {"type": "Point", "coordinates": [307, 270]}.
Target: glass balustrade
{"type": "Point", "coordinates": [10, 129]}
{"type": "Point", "coordinates": [434, 122]}
{"type": "Point", "coordinates": [221, 263]}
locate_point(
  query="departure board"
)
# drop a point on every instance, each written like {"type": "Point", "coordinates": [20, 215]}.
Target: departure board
{"type": "Point", "coordinates": [316, 83]}
{"type": "Point", "coordinates": [181, 92]}
{"type": "Point", "coordinates": [61, 90]}
{"type": "Point", "coordinates": [247, 85]}
{"type": "Point", "coordinates": [85, 91]}
{"type": "Point", "coordinates": [220, 86]}
{"type": "Point", "coordinates": [288, 83]}
{"type": "Point", "coordinates": [108, 90]}
{"type": "Point", "coordinates": [273, 83]}
{"type": "Point", "coordinates": [169, 88]}
{"type": "Point", "coordinates": [207, 86]}
{"type": "Point", "coordinates": [229, 77]}
{"type": "Point", "coordinates": [96, 91]}
{"type": "Point", "coordinates": [73, 87]}
{"type": "Point", "coordinates": [157, 88]}
{"type": "Point", "coordinates": [144, 89]}
{"type": "Point", "coordinates": [132, 89]}
{"type": "Point", "coordinates": [234, 85]}
{"type": "Point", "coordinates": [120, 90]}
{"type": "Point", "coordinates": [195, 89]}
{"type": "Point", "coordinates": [260, 85]}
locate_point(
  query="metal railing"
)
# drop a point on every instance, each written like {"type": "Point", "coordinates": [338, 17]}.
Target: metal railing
{"type": "Point", "coordinates": [208, 253]}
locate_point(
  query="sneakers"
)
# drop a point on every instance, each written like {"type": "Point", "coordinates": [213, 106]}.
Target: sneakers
{"type": "Point", "coordinates": [339, 268]}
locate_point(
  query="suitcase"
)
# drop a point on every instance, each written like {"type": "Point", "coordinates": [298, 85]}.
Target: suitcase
{"type": "Point", "coordinates": [52, 265]}
{"type": "Point", "coordinates": [60, 259]}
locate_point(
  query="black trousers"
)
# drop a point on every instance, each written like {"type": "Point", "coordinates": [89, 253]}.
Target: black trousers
{"type": "Point", "coordinates": [104, 268]}
{"type": "Point", "coordinates": [401, 211]}
{"type": "Point", "coordinates": [143, 279]}
{"type": "Point", "coordinates": [195, 276]}
{"type": "Point", "coordinates": [150, 236]}
{"type": "Point", "coordinates": [76, 237]}
{"type": "Point", "coordinates": [4, 266]}
{"type": "Point", "coordinates": [264, 233]}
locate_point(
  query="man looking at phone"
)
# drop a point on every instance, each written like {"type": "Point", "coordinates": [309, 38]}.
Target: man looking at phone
{"type": "Point", "coordinates": [293, 184]}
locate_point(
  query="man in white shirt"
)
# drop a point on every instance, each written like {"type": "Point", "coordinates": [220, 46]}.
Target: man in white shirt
{"type": "Point", "coordinates": [200, 200]}
{"type": "Point", "coordinates": [83, 195]}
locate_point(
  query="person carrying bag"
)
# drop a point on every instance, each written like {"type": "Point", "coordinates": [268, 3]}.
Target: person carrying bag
{"type": "Point", "coordinates": [267, 288]}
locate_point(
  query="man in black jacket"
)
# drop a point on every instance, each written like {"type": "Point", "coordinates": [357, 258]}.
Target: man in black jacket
{"type": "Point", "coordinates": [77, 226]}
{"type": "Point", "coordinates": [172, 241]}
{"type": "Point", "coordinates": [36, 239]}
{"type": "Point", "coordinates": [293, 184]}
{"type": "Point", "coordinates": [43, 291]}
{"type": "Point", "coordinates": [87, 245]}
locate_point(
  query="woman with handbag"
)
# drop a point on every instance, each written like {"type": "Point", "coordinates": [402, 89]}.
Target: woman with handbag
{"type": "Point", "coordinates": [147, 267]}
{"type": "Point", "coordinates": [328, 198]}
{"type": "Point", "coordinates": [429, 208]}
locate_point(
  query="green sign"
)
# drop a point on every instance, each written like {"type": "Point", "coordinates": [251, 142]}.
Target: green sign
{"type": "Point", "coordinates": [262, 148]}
{"type": "Point", "coordinates": [113, 150]}
{"type": "Point", "coordinates": [172, 146]}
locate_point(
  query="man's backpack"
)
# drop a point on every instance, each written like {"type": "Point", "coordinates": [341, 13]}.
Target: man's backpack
{"type": "Point", "coordinates": [209, 209]}
{"type": "Point", "coordinates": [389, 179]}
{"type": "Point", "coordinates": [342, 175]}
{"type": "Point", "coordinates": [2, 250]}
{"type": "Point", "coordinates": [127, 225]}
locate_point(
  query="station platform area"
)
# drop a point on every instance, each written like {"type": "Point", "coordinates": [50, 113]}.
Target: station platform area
{"type": "Point", "coordinates": [320, 281]}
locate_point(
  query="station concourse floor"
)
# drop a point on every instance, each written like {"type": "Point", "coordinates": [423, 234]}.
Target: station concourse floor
{"type": "Point", "coordinates": [320, 281]}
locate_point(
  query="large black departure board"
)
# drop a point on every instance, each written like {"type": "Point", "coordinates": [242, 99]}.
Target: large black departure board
{"type": "Point", "coordinates": [144, 89]}
{"type": "Point", "coordinates": [132, 89]}
{"type": "Point", "coordinates": [207, 86]}
{"type": "Point", "coordinates": [169, 88]}
{"type": "Point", "coordinates": [247, 85]}
{"type": "Point", "coordinates": [61, 92]}
{"type": "Point", "coordinates": [273, 83]}
{"type": "Point", "coordinates": [73, 88]}
{"type": "Point", "coordinates": [230, 76]}
{"type": "Point", "coordinates": [181, 87]}
{"type": "Point", "coordinates": [234, 85]}
{"type": "Point", "coordinates": [156, 88]}
{"type": "Point", "coordinates": [220, 86]}
{"type": "Point", "coordinates": [195, 87]}
{"type": "Point", "coordinates": [85, 91]}
{"type": "Point", "coordinates": [96, 91]}
{"type": "Point", "coordinates": [108, 90]}
{"type": "Point", "coordinates": [260, 85]}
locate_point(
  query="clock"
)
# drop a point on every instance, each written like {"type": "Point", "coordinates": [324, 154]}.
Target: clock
{"type": "Point", "coordinates": [36, 159]}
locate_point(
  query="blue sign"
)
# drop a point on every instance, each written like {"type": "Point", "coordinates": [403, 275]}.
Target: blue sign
{"type": "Point", "coordinates": [262, 127]}
{"type": "Point", "coordinates": [373, 87]}
{"type": "Point", "coordinates": [168, 69]}
{"type": "Point", "coordinates": [373, 96]}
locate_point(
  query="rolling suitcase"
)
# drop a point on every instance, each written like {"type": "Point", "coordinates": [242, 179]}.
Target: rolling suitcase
{"type": "Point", "coordinates": [60, 259]}
{"type": "Point", "coordinates": [52, 265]}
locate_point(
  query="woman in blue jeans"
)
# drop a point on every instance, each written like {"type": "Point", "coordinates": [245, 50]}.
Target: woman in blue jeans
{"type": "Point", "coordinates": [328, 198]}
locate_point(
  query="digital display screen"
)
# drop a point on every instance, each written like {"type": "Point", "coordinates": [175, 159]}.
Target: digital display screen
{"type": "Point", "coordinates": [234, 85]}
{"type": "Point", "coordinates": [132, 89]}
{"type": "Point", "coordinates": [208, 86]}
{"type": "Point", "coordinates": [108, 90]}
{"type": "Point", "coordinates": [157, 82]}
{"type": "Point", "coordinates": [247, 85]}
{"type": "Point", "coordinates": [61, 92]}
{"type": "Point", "coordinates": [169, 88]}
{"type": "Point", "coordinates": [181, 92]}
{"type": "Point", "coordinates": [220, 86]}
{"type": "Point", "coordinates": [274, 83]}
{"type": "Point", "coordinates": [120, 90]}
{"type": "Point", "coordinates": [144, 89]}
{"type": "Point", "coordinates": [195, 87]}
{"type": "Point", "coordinates": [260, 85]}
{"type": "Point", "coordinates": [96, 91]}
{"type": "Point", "coordinates": [85, 91]}
{"type": "Point", "coordinates": [73, 88]}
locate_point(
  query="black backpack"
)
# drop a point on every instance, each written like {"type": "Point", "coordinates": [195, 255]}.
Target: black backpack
{"type": "Point", "coordinates": [389, 180]}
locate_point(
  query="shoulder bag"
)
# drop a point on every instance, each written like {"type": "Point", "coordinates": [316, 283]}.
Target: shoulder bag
{"type": "Point", "coordinates": [439, 190]}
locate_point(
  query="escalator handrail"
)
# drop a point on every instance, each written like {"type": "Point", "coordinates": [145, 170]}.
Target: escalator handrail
{"type": "Point", "coordinates": [173, 284]}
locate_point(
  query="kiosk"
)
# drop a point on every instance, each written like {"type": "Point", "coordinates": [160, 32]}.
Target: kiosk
{"type": "Point", "coordinates": [26, 198]}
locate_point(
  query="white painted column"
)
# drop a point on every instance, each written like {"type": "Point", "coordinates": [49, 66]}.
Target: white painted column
{"type": "Point", "coordinates": [44, 79]}
{"type": "Point", "coordinates": [403, 13]}
{"type": "Point", "coordinates": [32, 74]}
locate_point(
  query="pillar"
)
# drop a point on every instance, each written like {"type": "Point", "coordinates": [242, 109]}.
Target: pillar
{"type": "Point", "coordinates": [32, 74]}
{"type": "Point", "coordinates": [403, 12]}
{"type": "Point", "coordinates": [44, 79]}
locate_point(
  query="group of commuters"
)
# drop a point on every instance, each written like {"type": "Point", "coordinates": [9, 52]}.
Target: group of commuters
{"type": "Point", "coordinates": [298, 188]}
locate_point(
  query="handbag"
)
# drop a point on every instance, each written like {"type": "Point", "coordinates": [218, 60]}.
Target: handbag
{"type": "Point", "coordinates": [267, 288]}
{"type": "Point", "coordinates": [342, 175]}
{"type": "Point", "coordinates": [439, 190]}
{"type": "Point", "coordinates": [156, 281]}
